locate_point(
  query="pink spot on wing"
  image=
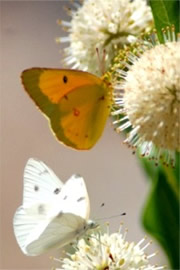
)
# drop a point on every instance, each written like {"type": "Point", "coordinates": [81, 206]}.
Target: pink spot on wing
{"type": "Point", "coordinates": [76, 112]}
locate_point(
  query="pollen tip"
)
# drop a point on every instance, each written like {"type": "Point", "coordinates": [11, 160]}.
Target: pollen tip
{"type": "Point", "coordinates": [59, 21]}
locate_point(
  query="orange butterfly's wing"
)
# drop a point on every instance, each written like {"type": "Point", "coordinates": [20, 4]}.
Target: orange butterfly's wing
{"type": "Point", "coordinates": [77, 103]}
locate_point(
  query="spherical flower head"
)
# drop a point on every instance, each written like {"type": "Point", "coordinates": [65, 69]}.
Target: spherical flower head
{"type": "Point", "coordinates": [103, 24]}
{"type": "Point", "coordinates": [149, 97]}
{"type": "Point", "coordinates": [105, 251]}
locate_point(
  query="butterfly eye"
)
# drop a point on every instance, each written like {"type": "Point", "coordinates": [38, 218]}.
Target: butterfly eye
{"type": "Point", "coordinates": [65, 79]}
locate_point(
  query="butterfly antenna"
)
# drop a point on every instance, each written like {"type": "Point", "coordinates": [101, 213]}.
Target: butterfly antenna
{"type": "Point", "coordinates": [104, 61]}
{"type": "Point", "coordinates": [101, 61]}
{"type": "Point", "coordinates": [114, 216]}
{"type": "Point", "coordinates": [109, 217]}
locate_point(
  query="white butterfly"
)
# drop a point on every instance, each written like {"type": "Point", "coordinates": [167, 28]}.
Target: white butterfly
{"type": "Point", "coordinates": [53, 214]}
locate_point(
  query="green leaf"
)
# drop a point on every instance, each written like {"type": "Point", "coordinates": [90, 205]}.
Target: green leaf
{"type": "Point", "coordinates": [161, 213]}
{"type": "Point", "coordinates": [149, 167]}
{"type": "Point", "coordinates": [165, 13]}
{"type": "Point", "coordinates": [177, 169]}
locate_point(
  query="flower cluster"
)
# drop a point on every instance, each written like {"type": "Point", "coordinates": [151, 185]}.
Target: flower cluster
{"type": "Point", "coordinates": [103, 24]}
{"type": "Point", "coordinates": [145, 75]}
{"type": "Point", "coordinates": [105, 251]}
{"type": "Point", "coordinates": [147, 93]}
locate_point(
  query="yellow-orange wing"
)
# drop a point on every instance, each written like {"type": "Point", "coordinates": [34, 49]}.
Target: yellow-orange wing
{"type": "Point", "coordinates": [77, 103]}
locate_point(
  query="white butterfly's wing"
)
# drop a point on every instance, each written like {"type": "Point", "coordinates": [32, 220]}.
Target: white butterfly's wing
{"type": "Point", "coordinates": [62, 230]}
{"type": "Point", "coordinates": [40, 183]}
{"type": "Point", "coordinates": [75, 197]}
{"type": "Point", "coordinates": [26, 224]}
{"type": "Point", "coordinates": [41, 201]}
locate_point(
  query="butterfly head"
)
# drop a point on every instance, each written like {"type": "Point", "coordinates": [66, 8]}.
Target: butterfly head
{"type": "Point", "coordinates": [92, 224]}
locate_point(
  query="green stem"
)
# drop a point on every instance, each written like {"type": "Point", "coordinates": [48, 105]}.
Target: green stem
{"type": "Point", "coordinates": [114, 36]}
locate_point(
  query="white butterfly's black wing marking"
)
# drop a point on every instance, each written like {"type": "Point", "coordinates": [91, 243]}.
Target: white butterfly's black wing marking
{"type": "Point", "coordinates": [75, 197]}
{"type": "Point", "coordinates": [40, 183]}
{"type": "Point", "coordinates": [62, 230]}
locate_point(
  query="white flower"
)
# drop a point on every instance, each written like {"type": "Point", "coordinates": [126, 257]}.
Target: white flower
{"type": "Point", "coordinates": [105, 251]}
{"type": "Point", "coordinates": [103, 24]}
{"type": "Point", "coordinates": [148, 95]}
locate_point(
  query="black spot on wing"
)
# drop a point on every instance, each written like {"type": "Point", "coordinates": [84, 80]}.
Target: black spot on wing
{"type": "Point", "coordinates": [80, 199]}
{"type": "Point", "coordinates": [65, 197]}
{"type": "Point", "coordinates": [65, 79]}
{"type": "Point", "coordinates": [36, 188]}
{"type": "Point", "coordinates": [102, 98]}
{"type": "Point", "coordinates": [77, 175]}
{"type": "Point", "coordinates": [57, 191]}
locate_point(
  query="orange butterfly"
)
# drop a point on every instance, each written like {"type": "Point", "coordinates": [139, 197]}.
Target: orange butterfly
{"type": "Point", "coordinates": [76, 103]}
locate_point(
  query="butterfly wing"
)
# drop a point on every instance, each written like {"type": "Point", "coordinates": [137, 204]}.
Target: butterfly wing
{"type": "Point", "coordinates": [77, 103]}
{"type": "Point", "coordinates": [40, 183]}
{"type": "Point", "coordinates": [75, 197]}
{"type": "Point", "coordinates": [26, 224]}
{"type": "Point", "coordinates": [61, 231]}
{"type": "Point", "coordinates": [41, 201]}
